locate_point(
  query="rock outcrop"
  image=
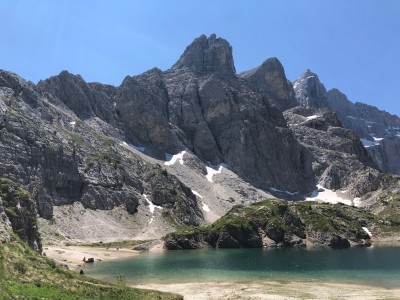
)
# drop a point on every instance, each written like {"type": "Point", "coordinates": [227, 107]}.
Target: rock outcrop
{"type": "Point", "coordinates": [18, 213]}
{"type": "Point", "coordinates": [270, 79]}
{"type": "Point", "coordinates": [339, 159]}
{"type": "Point", "coordinates": [208, 55]}
{"type": "Point", "coordinates": [379, 130]}
{"type": "Point", "coordinates": [277, 223]}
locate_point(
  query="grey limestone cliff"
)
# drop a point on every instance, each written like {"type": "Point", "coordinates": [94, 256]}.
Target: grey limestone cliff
{"type": "Point", "coordinates": [270, 79]}
{"type": "Point", "coordinates": [379, 130]}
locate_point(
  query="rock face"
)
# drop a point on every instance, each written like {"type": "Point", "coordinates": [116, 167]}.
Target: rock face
{"type": "Point", "coordinates": [339, 159]}
{"type": "Point", "coordinates": [18, 212]}
{"type": "Point", "coordinates": [379, 130]}
{"type": "Point", "coordinates": [202, 106]}
{"type": "Point", "coordinates": [270, 79]}
{"type": "Point", "coordinates": [310, 92]}
{"type": "Point", "coordinates": [63, 155]}
{"type": "Point", "coordinates": [207, 55]}
{"type": "Point", "coordinates": [277, 223]}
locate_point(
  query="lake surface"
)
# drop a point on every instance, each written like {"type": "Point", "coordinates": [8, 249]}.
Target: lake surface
{"type": "Point", "coordinates": [378, 266]}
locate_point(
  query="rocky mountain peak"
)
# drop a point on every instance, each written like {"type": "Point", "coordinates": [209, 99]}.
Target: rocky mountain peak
{"type": "Point", "coordinates": [270, 79]}
{"type": "Point", "coordinates": [210, 54]}
{"type": "Point", "coordinates": [310, 92]}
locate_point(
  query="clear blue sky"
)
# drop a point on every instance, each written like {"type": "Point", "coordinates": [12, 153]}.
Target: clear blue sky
{"type": "Point", "coordinates": [352, 45]}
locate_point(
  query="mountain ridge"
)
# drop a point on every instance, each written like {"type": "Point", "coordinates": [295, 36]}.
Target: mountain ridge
{"type": "Point", "coordinates": [105, 147]}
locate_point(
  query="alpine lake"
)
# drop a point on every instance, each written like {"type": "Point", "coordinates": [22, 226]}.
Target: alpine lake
{"type": "Point", "coordinates": [376, 266]}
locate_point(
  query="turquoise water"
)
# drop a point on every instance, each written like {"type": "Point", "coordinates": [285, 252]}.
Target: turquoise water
{"type": "Point", "coordinates": [373, 266]}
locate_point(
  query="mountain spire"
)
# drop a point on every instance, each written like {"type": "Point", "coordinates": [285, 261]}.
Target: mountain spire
{"type": "Point", "coordinates": [205, 55]}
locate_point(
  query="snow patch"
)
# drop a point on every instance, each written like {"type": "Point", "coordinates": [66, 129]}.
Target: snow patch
{"type": "Point", "coordinates": [152, 207]}
{"type": "Point", "coordinates": [205, 207]}
{"type": "Point", "coordinates": [322, 194]}
{"type": "Point", "coordinates": [171, 159]}
{"type": "Point", "coordinates": [312, 76]}
{"type": "Point", "coordinates": [312, 117]}
{"type": "Point", "coordinates": [367, 231]}
{"type": "Point", "coordinates": [357, 201]}
{"type": "Point", "coordinates": [197, 194]}
{"type": "Point", "coordinates": [214, 169]}
{"type": "Point", "coordinates": [378, 139]}
{"type": "Point", "coordinates": [141, 149]}
{"type": "Point", "coordinates": [286, 192]}
{"type": "Point", "coordinates": [366, 143]}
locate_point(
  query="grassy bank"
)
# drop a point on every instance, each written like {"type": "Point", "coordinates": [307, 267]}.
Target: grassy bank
{"type": "Point", "coordinates": [24, 274]}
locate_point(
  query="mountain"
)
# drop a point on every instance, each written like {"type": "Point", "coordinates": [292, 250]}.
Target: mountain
{"type": "Point", "coordinates": [176, 148]}
{"type": "Point", "coordinates": [379, 131]}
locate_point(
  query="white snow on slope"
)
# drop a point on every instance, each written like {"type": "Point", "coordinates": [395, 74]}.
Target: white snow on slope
{"type": "Point", "coordinates": [152, 207]}
{"type": "Point", "coordinates": [357, 201]}
{"type": "Point", "coordinates": [171, 159]}
{"type": "Point", "coordinates": [378, 139]}
{"type": "Point", "coordinates": [205, 207]}
{"type": "Point", "coordinates": [312, 117]}
{"type": "Point", "coordinates": [367, 231]}
{"type": "Point", "coordinates": [197, 194]}
{"type": "Point", "coordinates": [368, 144]}
{"type": "Point", "coordinates": [141, 149]}
{"type": "Point", "coordinates": [327, 196]}
{"type": "Point", "coordinates": [214, 169]}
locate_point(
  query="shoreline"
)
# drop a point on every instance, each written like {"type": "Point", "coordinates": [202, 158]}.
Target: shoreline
{"type": "Point", "coordinates": [72, 256]}
{"type": "Point", "coordinates": [236, 289]}
{"type": "Point", "coordinates": [274, 289]}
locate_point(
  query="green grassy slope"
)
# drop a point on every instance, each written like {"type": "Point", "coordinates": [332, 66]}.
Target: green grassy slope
{"type": "Point", "coordinates": [24, 274]}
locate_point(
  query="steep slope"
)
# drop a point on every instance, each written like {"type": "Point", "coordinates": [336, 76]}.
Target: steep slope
{"type": "Point", "coordinates": [63, 159]}
{"type": "Point", "coordinates": [379, 130]}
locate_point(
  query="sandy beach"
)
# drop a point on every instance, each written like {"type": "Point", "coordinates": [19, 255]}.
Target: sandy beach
{"type": "Point", "coordinates": [73, 256]}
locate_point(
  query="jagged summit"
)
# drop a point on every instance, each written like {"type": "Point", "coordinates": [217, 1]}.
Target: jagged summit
{"type": "Point", "coordinates": [270, 78]}
{"type": "Point", "coordinates": [310, 92]}
{"type": "Point", "coordinates": [210, 54]}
